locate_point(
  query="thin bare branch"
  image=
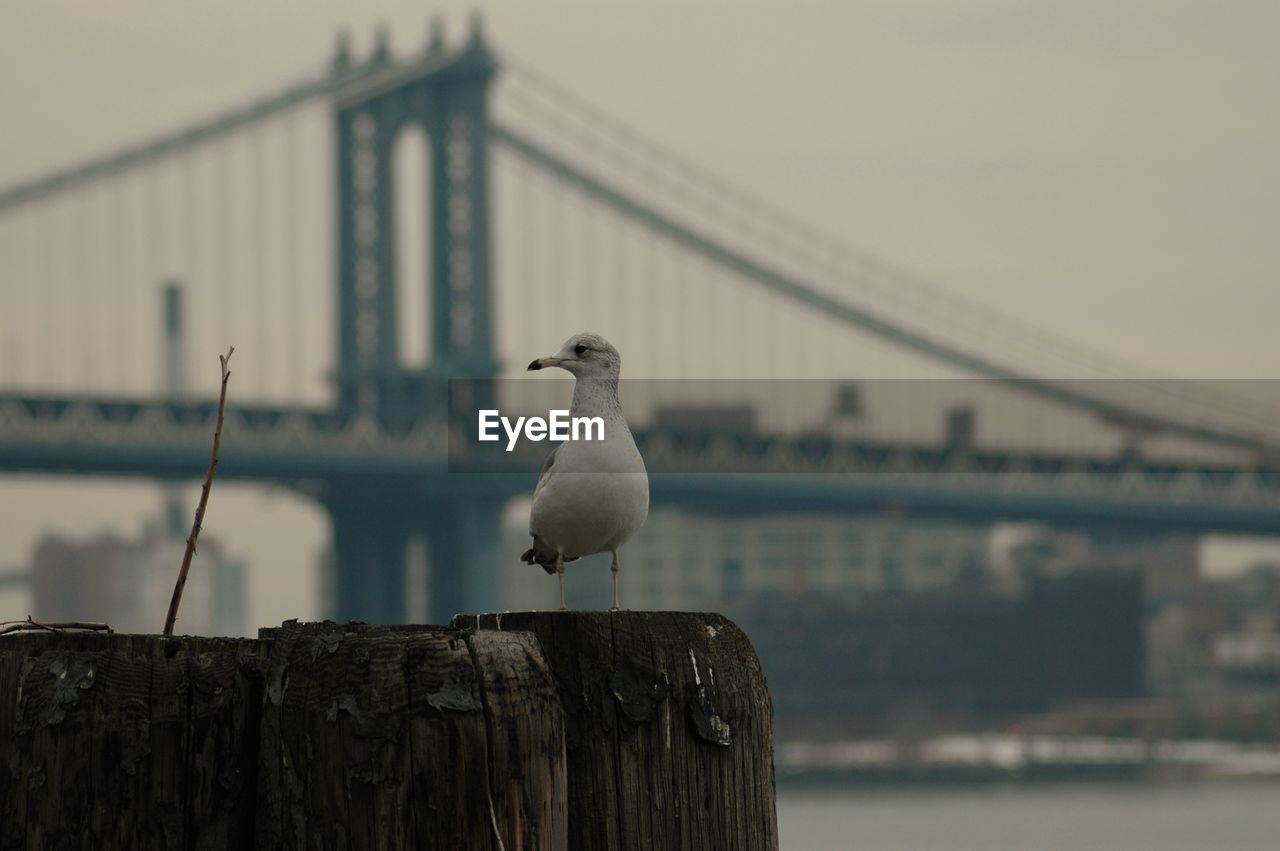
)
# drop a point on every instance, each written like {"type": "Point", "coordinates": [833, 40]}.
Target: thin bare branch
{"type": "Point", "coordinates": [172, 617]}
{"type": "Point", "coordinates": [32, 625]}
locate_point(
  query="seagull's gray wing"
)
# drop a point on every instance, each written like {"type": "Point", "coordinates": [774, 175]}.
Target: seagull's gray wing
{"type": "Point", "coordinates": [540, 553]}
{"type": "Point", "coordinates": [545, 475]}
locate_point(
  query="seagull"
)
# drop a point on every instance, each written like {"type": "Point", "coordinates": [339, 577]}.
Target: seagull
{"type": "Point", "coordinates": [593, 495]}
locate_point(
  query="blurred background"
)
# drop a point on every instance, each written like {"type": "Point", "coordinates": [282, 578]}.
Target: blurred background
{"type": "Point", "coordinates": [983, 450]}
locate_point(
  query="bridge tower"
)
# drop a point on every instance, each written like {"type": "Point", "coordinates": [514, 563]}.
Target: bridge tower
{"type": "Point", "coordinates": [445, 93]}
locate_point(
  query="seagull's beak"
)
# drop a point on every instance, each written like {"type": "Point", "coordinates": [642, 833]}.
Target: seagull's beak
{"type": "Point", "coordinates": [544, 363]}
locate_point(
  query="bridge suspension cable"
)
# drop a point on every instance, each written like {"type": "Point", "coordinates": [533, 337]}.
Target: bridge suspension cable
{"type": "Point", "coordinates": [652, 169]}
{"type": "Point", "coordinates": [655, 166]}
{"type": "Point", "coordinates": [221, 207]}
{"type": "Point", "coordinates": [168, 144]}
{"type": "Point", "coordinates": [729, 234]}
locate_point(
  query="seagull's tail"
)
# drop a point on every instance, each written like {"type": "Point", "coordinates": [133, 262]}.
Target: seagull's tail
{"type": "Point", "coordinates": [530, 556]}
{"type": "Point", "coordinates": [541, 554]}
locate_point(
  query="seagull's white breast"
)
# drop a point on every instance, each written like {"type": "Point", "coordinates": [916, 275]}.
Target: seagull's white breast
{"type": "Point", "coordinates": [595, 496]}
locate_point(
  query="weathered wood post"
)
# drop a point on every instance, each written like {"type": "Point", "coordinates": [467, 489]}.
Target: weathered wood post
{"type": "Point", "coordinates": [668, 725]}
{"type": "Point", "coordinates": [128, 741]}
{"type": "Point", "coordinates": [536, 731]}
{"type": "Point", "coordinates": [404, 737]}
{"type": "Point", "coordinates": [313, 736]}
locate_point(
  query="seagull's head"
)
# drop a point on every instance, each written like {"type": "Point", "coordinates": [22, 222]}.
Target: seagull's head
{"type": "Point", "coordinates": [586, 356]}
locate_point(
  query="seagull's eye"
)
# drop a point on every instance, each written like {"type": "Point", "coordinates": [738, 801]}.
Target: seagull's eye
{"type": "Point", "coordinates": [580, 350]}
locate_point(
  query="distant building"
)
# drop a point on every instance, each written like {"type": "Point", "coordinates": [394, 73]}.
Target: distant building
{"type": "Point", "coordinates": [1169, 566]}
{"type": "Point", "coordinates": [1252, 656]}
{"type": "Point", "coordinates": [684, 561]}
{"type": "Point", "coordinates": [947, 659]}
{"type": "Point", "coordinates": [1247, 650]}
{"type": "Point", "coordinates": [1202, 636]}
{"type": "Point", "coordinates": [128, 583]}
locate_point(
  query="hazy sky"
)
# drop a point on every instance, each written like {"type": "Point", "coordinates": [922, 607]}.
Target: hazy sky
{"type": "Point", "coordinates": [1103, 168]}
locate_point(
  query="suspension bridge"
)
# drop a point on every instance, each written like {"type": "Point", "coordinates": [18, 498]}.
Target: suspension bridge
{"type": "Point", "coordinates": [367, 236]}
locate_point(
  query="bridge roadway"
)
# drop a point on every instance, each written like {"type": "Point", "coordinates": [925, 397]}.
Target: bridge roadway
{"type": "Point", "coordinates": [382, 484]}
{"type": "Point", "coordinates": [306, 449]}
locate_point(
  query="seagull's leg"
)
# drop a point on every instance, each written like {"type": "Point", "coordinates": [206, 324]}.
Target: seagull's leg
{"type": "Point", "coordinates": [560, 574]}
{"type": "Point", "coordinates": [614, 568]}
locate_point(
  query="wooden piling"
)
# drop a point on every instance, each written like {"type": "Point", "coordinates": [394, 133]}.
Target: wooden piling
{"type": "Point", "coordinates": [542, 731]}
{"type": "Point", "coordinates": [128, 741]}
{"type": "Point", "coordinates": [668, 725]}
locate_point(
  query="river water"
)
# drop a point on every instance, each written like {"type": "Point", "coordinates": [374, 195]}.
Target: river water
{"type": "Point", "coordinates": [1085, 817]}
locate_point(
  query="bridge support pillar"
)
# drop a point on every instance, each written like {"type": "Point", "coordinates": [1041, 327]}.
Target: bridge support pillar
{"type": "Point", "coordinates": [464, 546]}
{"type": "Point", "coordinates": [370, 533]}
